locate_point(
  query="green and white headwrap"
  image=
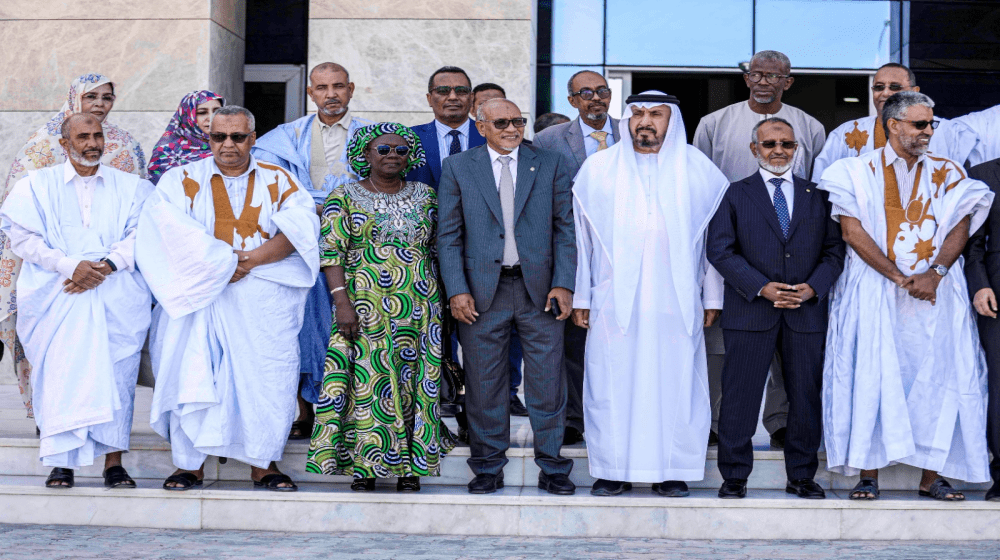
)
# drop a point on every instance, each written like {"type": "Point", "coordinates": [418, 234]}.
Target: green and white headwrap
{"type": "Point", "coordinates": [358, 145]}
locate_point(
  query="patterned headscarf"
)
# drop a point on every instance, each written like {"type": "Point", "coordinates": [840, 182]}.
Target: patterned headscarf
{"type": "Point", "coordinates": [183, 141]}
{"type": "Point", "coordinates": [358, 145]}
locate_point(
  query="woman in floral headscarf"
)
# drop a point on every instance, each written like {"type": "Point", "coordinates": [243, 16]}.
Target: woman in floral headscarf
{"type": "Point", "coordinates": [378, 414]}
{"type": "Point", "coordinates": [186, 138]}
{"type": "Point", "coordinates": [90, 93]}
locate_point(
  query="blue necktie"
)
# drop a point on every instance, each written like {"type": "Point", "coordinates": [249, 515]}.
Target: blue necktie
{"type": "Point", "coordinates": [781, 205]}
{"type": "Point", "coordinates": [456, 146]}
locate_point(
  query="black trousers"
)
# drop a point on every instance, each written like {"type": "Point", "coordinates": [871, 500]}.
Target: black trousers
{"type": "Point", "coordinates": [575, 345]}
{"type": "Point", "coordinates": [989, 336]}
{"type": "Point", "coordinates": [744, 376]}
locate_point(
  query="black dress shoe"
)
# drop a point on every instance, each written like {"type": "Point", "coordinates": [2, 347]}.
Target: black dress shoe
{"type": "Point", "coordinates": [993, 494]}
{"type": "Point", "coordinates": [517, 408]}
{"type": "Point", "coordinates": [486, 483]}
{"type": "Point", "coordinates": [571, 436]}
{"type": "Point", "coordinates": [609, 487]}
{"type": "Point", "coordinates": [363, 485]}
{"type": "Point", "coordinates": [713, 439]}
{"type": "Point", "coordinates": [556, 484]}
{"type": "Point", "coordinates": [778, 438]}
{"type": "Point", "coordinates": [733, 488]}
{"type": "Point", "coordinates": [671, 489]}
{"type": "Point", "coordinates": [408, 484]}
{"type": "Point", "coordinates": [805, 488]}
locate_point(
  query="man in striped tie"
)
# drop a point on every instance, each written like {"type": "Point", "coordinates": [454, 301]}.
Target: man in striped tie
{"type": "Point", "coordinates": [779, 251]}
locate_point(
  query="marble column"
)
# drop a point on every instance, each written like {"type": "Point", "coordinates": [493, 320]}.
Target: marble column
{"type": "Point", "coordinates": [155, 52]}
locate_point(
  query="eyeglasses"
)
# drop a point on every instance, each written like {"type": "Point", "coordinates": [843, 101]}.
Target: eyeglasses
{"type": "Point", "coordinates": [755, 77]}
{"type": "Point", "coordinates": [892, 87]}
{"type": "Point", "coordinates": [920, 125]}
{"type": "Point", "coordinates": [587, 93]}
{"type": "Point", "coordinates": [107, 97]}
{"type": "Point", "coordinates": [384, 149]}
{"type": "Point", "coordinates": [446, 90]}
{"type": "Point", "coordinates": [220, 137]}
{"type": "Point", "coordinates": [770, 144]}
{"type": "Point", "coordinates": [502, 124]}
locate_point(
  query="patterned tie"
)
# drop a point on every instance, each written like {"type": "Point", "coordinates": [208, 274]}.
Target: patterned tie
{"type": "Point", "coordinates": [602, 139]}
{"type": "Point", "coordinates": [456, 146]}
{"type": "Point", "coordinates": [507, 207]}
{"type": "Point", "coordinates": [781, 205]}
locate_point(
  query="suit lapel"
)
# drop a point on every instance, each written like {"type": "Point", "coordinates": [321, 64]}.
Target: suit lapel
{"type": "Point", "coordinates": [803, 193]}
{"type": "Point", "coordinates": [430, 141]}
{"type": "Point", "coordinates": [526, 168]}
{"type": "Point", "coordinates": [757, 191]}
{"type": "Point", "coordinates": [487, 182]}
{"type": "Point", "coordinates": [614, 130]}
{"type": "Point", "coordinates": [574, 137]}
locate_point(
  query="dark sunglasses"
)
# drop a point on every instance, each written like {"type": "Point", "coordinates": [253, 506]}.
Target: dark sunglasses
{"type": "Point", "coordinates": [770, 144]}
{"type": "Point", "coordinates": [502, 124]}
{"type": "Point", "coordinates": [446, 90]}
{"type": "Point", "coordinates": [892, 87]}
{"type": "Point", "coordinates": [920, 125]}
{"type": "Point", "coordinates": [220, 137]}
{"type": "Point", "coordinates": [384, 149]}
{"type": "Point", "coordinates": [587, 93]}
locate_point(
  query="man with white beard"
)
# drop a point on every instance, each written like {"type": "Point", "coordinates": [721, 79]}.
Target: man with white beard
{"type": "Point", "coordinates": [645, 290]}
{"type": "Point", "coordinates": [904, 375]}
{"type": "Point", "coordinates": [83, 308]}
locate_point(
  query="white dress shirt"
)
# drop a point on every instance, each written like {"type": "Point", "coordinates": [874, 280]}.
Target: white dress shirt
{"type": "Point", "coordinates": [590, 144]}
{"type": "Point", "coordinates": [498, 166]}
{"type": "Point", "coordinates": [444, 138]}
{"type": "Point", "coordinates": [787, 187]}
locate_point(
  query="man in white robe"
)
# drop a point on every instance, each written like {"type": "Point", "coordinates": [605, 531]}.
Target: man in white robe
{"type": "Point", "coordinates": [986, 123]}
{"type": "Point", "coordinates": [230, 294]}
{"type": "Point", "coordinates": [641, 209]}
{"type": "Point", "coordinates": [83, 308]}
{"type": "Point", "coordinates": [953, 139]}
{"type": "Point", "coordinates": [904, 378]}
{"type": "Point", "coordinates": [722, 136]}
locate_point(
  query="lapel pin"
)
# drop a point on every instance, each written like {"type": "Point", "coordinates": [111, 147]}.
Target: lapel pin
{"type": "Point", "coordinates": [807, 190]}
{"type": "Point", "coordinates": [532, 169]}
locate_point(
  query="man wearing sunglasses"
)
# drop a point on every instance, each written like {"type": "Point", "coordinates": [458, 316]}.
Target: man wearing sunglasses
{"type": "Point", "coordinates": [449, 94]}
{"type": "Point", "coordinates": [593, 130]}
{"type": "Point", "coordinates": [722, 136]}
{"type": "Point", "coordinates": [507, 250]}
{"type": "Point", "coordinates": [952, 139]}
{"type": "Point", "coordinates": [902, 377]}
{"type": "Point", "coordinates": [780, 253]}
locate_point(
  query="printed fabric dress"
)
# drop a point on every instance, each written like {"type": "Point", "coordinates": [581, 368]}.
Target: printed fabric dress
{"type": "Point", "coordinates": [379, 413]}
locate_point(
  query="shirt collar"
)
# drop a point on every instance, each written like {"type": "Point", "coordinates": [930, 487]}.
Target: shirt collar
{"type": "Point", "coordinates": [495, 155]}
{"type": "Point", "coordinates": [443, 129]}
{"type": "Point", "coordinates": [69, 172]}
{"type": "Point", "coordinates": [891, 156]}
{"type": "Point", "coordinates": [217, 171]}
{"type": "Point", "coordinates": [344, 122]}
{"type": "Point", "coordinates": [767, 175]}
{"type": "Point", "coordinates": [587, 129]}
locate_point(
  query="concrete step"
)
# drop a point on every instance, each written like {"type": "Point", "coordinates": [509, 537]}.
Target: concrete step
{"type": "Point", "coordinates": [515, 510]}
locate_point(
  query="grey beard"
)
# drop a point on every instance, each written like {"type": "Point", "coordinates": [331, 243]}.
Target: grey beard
{"type": "Point", "coordinates": [763, 100]}
{"type": "Point", "coordinates": [776, 169]}
{"type": "Point", "coordinates": [331, 112]}
{"type": "Point", "coordinates": [912, 146]}
{"type": "Point", "coordinates": [78, 158]}
{"type": "Point", "coordinates": [593, 117]}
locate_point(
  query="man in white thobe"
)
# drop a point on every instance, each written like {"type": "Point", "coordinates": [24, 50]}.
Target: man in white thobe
{"type": "Point", "coordinates": [641, 209]}
{"type": "Point", "coordinates": [904, 376]}
{"type": "Point", "coordinates": [722, 136]}
{"type": "Point", "coordinates": [986, 123]}
{"type": "Point", "coordinates": [83, 308]}
{"type": "Point", "coordinates": [230, 293]}
{"type": "Point", "coordinates": [953, 139]}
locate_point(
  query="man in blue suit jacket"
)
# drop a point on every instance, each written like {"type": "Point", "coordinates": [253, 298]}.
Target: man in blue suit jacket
{"type": "Point", "coordinates": [449, 93]}
{"type": "Point", "coordinates": [780, 252]}
{"type": "Point", "coordinates": [507, 247]}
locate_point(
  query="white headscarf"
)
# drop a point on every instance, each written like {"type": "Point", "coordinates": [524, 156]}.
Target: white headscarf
{"type": "Point", "coordinates": [690, 189]}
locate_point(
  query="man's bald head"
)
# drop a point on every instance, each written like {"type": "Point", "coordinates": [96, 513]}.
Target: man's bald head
{"type": "Point", "coordinates": [78, 118]}
{"type": "Point", "coordinates": [328, 67]}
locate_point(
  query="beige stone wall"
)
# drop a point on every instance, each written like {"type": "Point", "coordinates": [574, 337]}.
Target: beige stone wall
{"type": "Point", "coordinates": [391, 47]}
{"type": "Point", "coordinates": [155, 51]}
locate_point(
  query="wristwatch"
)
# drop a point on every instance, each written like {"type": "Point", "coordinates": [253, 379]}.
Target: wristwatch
{"type": "Point", "coordinates": [110, 264]}
{"type": "Point", "coordinates": [941, 269]}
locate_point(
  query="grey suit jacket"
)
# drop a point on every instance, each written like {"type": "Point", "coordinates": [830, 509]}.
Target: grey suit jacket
{"type": "Point", "coordinates": [470, 224]}
{"type": "Point", "coordinates": [567, 139]}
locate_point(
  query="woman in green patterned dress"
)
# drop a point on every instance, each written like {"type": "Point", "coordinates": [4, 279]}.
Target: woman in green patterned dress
{"type": "Point", "coordinates": [378, 414]}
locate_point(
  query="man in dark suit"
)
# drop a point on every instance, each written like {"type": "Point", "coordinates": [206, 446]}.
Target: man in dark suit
{"type": "Point", "coordinates": [982, 271]}
{"type": "Point", "coordinates": [507, 247]}
{"type": "Point", "coordinates": [780, 252]}
{"type": "Point", "coordinates": [593, 130]}
{"type": "Point", "coordinates": [449, 93]}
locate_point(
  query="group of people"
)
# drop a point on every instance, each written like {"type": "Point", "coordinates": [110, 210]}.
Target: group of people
{"type": "Point", "coordinates": [653, 290]}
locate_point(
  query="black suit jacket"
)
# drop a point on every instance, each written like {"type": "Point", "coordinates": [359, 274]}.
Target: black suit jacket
{"type": "Point", "coordinates": [747, 247]}
{"type": "Point", "coordinates": [430, 174]}
{"type": "Point", "coordinates": [982, 254]}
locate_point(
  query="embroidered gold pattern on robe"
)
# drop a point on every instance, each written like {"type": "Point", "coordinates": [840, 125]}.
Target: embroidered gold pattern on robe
{"type": "Point", "coordinates": [909, 231]}
{"type": "Point", "coordinates": [947, 166]}
{"type": "Point", "coordinates": [880, 138]}
{"type": "Point", "coordinates": [856, 139]}
{"type": "Point", "coordinates": [191, 188]}
{"type": "Point", "coordinates": [226, 224]}
{"type": "Point", "coordinates": [292, 185]}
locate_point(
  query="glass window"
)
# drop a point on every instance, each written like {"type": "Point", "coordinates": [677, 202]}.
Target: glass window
{"type": "Point", "coordinates": [577, 31]}
{"type": "Point", "coordinates": [697, 33]}
{"type": "Point", "coordinates": [560, 79]}
{"type": "Point", "coordinates": [827, 33]}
